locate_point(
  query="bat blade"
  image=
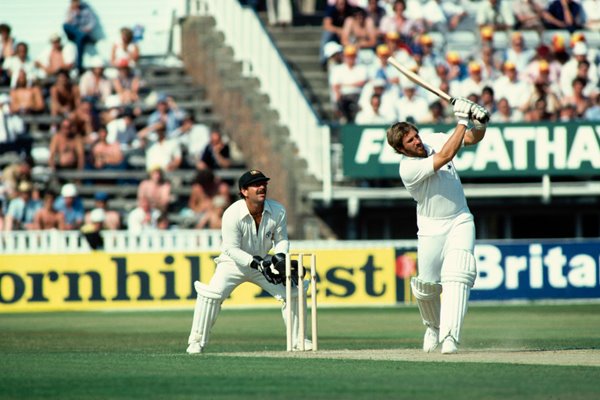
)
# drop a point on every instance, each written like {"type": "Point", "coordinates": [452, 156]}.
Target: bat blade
{"type": "Point", "coordinates": [419, 80]}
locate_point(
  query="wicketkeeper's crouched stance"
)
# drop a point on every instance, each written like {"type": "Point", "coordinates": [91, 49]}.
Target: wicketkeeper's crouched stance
{"type": "Point", "coordinates": [251, 228]}
{"type": "Point", "coordinates": [446, 231]}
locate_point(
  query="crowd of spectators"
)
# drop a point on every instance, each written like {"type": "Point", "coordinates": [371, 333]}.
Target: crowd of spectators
{"type": "Point", "coordinates": [554, 80]}
{"type": "Point", "coordinates": [96, 104]}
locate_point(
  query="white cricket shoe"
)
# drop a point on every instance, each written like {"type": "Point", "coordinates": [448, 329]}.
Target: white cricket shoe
{"type": "Point", "coordinates": [449, 346]}
{"type": "Point", "coordinates": [431, 339]}
{"type": "Point", "coordinates": [194, 348]}
{"type": "Point", "coordinates": [307, 345]}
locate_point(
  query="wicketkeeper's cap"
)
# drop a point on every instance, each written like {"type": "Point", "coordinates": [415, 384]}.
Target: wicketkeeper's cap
{"type": "Point", "coordinates": [250, 177]}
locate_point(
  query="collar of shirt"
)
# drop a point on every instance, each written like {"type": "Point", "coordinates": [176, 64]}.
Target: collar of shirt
{"type": "Point", "coordinates": [245, 212]}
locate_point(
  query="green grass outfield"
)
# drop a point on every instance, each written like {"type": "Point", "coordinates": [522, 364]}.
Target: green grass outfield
{"type": "Point", "coordinates": [125, 355]}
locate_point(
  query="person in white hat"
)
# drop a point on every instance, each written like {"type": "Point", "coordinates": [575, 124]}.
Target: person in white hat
{"type": "Point", "coordinates": [56, 56]}
{"type": "Point", "coordinates": [71, 205]}
{"type": "Point", "coordinates": [22, 209]}
{"type": "Point", "coordinates": [569, 71]}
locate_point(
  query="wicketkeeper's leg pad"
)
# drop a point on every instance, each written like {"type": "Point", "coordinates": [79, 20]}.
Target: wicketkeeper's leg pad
{"type": "Point", "coordinates": [208, 306]}
{"type": "Point", "coordinates": [458, 276]}
{"type": "Point", "coordinates": [428, 300]}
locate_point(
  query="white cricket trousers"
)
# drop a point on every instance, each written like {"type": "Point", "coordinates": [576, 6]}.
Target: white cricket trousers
{"type": "Point", "coordinates": [457, 233]}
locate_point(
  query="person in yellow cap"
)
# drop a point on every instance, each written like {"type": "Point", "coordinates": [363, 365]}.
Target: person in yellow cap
{"type": "Point", "coordinates": [518, 54]}
{"type": "Point", "coordinates": [347, 81]}
{"type": "Point", "coordinates": [511, 87]}
{"type": "Point", "coordinates": [474, 83]}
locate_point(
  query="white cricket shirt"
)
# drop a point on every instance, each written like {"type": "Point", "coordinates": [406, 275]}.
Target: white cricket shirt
{"type": "Point", "coordinates": [439, 194]}
{"type": "Point", "coordinates": [240, 238]}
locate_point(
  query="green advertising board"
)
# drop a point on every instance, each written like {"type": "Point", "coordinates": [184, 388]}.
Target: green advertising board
{"type": "Point", "coordinates": [508, 150]}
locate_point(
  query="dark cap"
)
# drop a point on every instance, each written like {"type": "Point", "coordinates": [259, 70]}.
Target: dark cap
{"type": "Point", "coordinates": [101, 196]}
{"type": "Point", "coordinates": [250, 177]}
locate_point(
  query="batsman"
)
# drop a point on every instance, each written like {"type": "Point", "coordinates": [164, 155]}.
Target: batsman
{"type": "Point", "coordinates": [251, 228]}
{"type": "Point", "coordinates": [446, 230]}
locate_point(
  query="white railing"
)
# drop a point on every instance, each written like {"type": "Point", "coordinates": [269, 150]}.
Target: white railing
{"type": "Point", "coordinates": [251, 44]}
{"type": "Point", "coordinates": [53, 242]}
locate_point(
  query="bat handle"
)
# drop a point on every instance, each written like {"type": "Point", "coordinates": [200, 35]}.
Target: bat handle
{"type": "Point", "coordinates": [453, 100]}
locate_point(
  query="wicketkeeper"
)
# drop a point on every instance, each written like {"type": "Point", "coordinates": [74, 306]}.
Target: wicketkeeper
{"type": "Point", "coordinates": [446, 231]}
{"type": "Point", "coordinates": [251, 228]}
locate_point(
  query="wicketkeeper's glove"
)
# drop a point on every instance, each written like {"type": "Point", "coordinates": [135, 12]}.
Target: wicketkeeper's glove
{"type": "Point", "coordinates": [279, 263]}
{"type": "Point", "coordinates": [266, 267]}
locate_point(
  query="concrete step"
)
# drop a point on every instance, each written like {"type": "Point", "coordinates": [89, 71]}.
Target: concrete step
{"type": "Point", "coordinates": [297, 33]}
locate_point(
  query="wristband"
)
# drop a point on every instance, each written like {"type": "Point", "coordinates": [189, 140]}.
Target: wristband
{"type": "Point", "coordinates": [464, 122]}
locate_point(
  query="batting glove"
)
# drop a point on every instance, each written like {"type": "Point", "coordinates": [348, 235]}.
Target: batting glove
{"type": "Point", "coordinates": [479, 114]}
{"type": "Point", "coordinates": [462, 108]}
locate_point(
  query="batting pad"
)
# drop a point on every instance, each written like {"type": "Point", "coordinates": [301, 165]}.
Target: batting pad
{"type": "Point", "coordinates": [428, 300]}
{"type": "Point", "coordinates": [208, 306]}
{"type": "Point", "coordinates": [458, 276]}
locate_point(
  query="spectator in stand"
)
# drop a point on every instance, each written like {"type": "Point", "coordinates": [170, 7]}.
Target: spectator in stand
{"type": "Point", "coordinates": [22, 209]}
{"type": "Point", "coordinates": [333, 52]}
{"type": "Point", "coordinates": [163, 222]}
{"type": "Point", "coordinates": [156, 188]}
{"type": "Point", "coordinates": [430, 55]}
{"type": "Point", "coordinates": [123, 131]}
{"type": "Point", "coordinates": [529, 14]}
{"type": "Point", "coordinates": [387, 93]}
{"type": "Point", "coordinates": [511, 87]}
{"type": "Point", "coordinates": [359, 30]}
{"type": "Point", "coordinates": [204, 188]}
{"type": "Point", "coordinates": [505, 113]}
{"type": "Point", "coordinates": [571, 69]}
{"type": "Point", "coordinates": [55, 57]}
{"type": "Point", "coordinates": [474, 83]}
{"type": "Point", "coordinates": [168, 113]}
{"type": "Point", "coordinates": [193, 138]}
{"type": "Point", "coordinates": [85, 121]}
{"type": "Point", "coordinates": [164, 152]}
{"type": "Point", "coordinates": [125, 50]}
{"type": "Point", "coordinates": [15, 173]}
{"type": "Point", "coordinates": [376, 13]}
{"type": "Point", "coordinates": [213, 218]}
{"type": "Point", "coordinates": [66, 148]}
{"type": "Point", "coordinates": [496, 14]}
{"type": "Point", "coordinates": [126, 84]}
{"type": "Point", "coordinates": [71, 205]}
{"type": "Point", "coordinates": [398, 22]}
{"type": "Point", "coordinates": [542, 89]}
{"type": "Point", "coordinates": [518, 54]}
{"type": "Point", "coordinates": [591, 9]}
{"type": "Point", "coordinates": [333, 23]}
{"type": "Point", "coordinates": [593, 113]}
{"type": "Point", "coordinates": [382, 69]}
{"type": "Point", "coordinates": [13, 131]}
{"type": "Point", "coordinates": [373, 115]}
{"type": "Point", "coordinates": [577, 97]}
{"type": "Point", "coordinates": [411, 107]}
{"type": "Point", "coordinates": [568, 113]}
{"type": "Point", "coordinates": [112, 218]}
{"type": "Point", "coordinates": [143, 217]}
{"type": "Point", "coordinates": [64, 95]}
{"type": "Point", "coordinates": [443, 16]}
{"type": "Point", "coordinates": [48, 217]}
{"type": "Point", "coordinates": [79, 26]}
{"type": "Point", "coordinates": [92, 230]}
{"type": "Point", "coordinates": [488, 99]}
{"type": "Point", "coordinates": [564, 14]}
{"type": "Point", "coordinates": [399, 49]}
{"type": "Point", "coordinates": [457, 70]}
{"type": "Point", "coordinates": [436, 114]}
{"type": "Point", "coordinates": [559, 49]}
{"type": "Point", "coordinates": [543, 62]}
{"type": "Point", "coordinates": [217, 153]}
{"type": "Point", "coordinates": [104, 155]}
{"type": "Point", "coordinates": [347, 82]}
{"type": "Point", "coordinates": [224, 190]}
{"type": "Point", "coordinates": [490, 70]}
{"type": "Point", "coordinates": [7, 42]}
{"type": "Point", "coordinates": [94, 84]}
{"type": "Point", "coordinates": [279, 12]}
{"type": "Point", "coordinates": [26, 97]}
{"type": "Point", "coordinates": [19, 61]}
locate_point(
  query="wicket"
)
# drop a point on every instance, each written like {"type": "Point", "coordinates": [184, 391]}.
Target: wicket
{"type": "Point", "coordinates": [301, 303]}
